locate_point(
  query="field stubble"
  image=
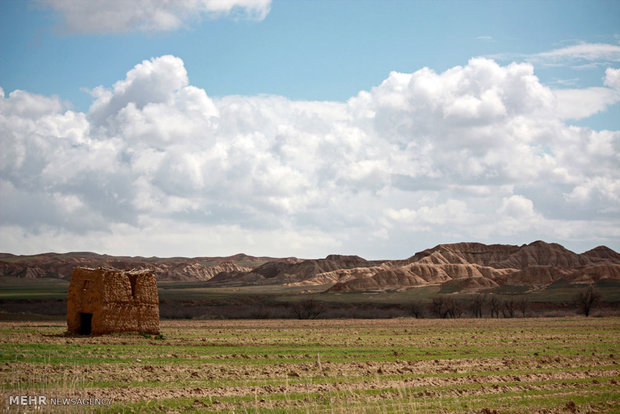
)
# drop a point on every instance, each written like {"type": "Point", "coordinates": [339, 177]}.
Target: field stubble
{"type": "Point", "coordinates": [396, 365]}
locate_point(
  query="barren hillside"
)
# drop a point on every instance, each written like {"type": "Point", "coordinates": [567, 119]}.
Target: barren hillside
{"type": "Point", "coordinates": [472, 266]}
{"type": "Point", "coordinates": [480, 266]}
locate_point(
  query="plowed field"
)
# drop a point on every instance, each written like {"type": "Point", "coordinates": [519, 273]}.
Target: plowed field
{"type": "Point", "coordinates": [396, 365]}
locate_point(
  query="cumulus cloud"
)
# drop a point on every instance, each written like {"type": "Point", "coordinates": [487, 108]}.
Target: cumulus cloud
{"type": "Point", "coordinates": [156, 166]}
{"type": "Point", "coordinates": [116, 16]}
{"type": "Point", "coordinates": [517, 206]}
{"type": "Point", "coordinates": [612, 78]}
{"type": "Point", "coordinates": [452, 212]}
{"type": "Point", "coordinates": [582, 103]}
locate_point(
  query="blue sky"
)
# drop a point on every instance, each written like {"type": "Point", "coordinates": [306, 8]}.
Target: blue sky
{"type": "Point", "coordinates": [256, 63]}
{"type": "Point", "coordinates": [316, 50]}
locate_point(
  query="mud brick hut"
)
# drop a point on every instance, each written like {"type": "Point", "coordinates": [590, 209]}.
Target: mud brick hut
{"type": "Point", "coordinates": [106, 300]}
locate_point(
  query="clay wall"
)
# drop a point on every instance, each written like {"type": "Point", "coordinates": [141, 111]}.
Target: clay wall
{"type": "Point", "coordinates": [118, 301]}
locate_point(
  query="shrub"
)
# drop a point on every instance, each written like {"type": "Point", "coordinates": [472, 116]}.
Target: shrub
{"type": "Point", "coordinates": [587, 299]}
{"type": "Point", "coordinates": [477, 304]}
{"type": "Point", "coordinates": [308, 309]}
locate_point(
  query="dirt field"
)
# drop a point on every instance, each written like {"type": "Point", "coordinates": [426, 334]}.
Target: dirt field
{"type": "Point", "coordinates": [397, 365]}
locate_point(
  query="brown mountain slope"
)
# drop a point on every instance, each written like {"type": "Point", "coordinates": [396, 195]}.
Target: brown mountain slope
{"type": "Point", "coordinates": [593, 273]}
{"type": "Point", "coordinates": [540, 253]}
{"type": "Point", "coordinates": [293, 273]}
{"type": "Point", "coordinates": [468, 265]}
{"type": "Point", "coordinates": [534, 276]}
{"type": "Point", "coordinates": [338, 276]}
{"type": "Point", "coordinates": [604, 253]}
{"type": "Point", "coordinates": [175, 268]}
{"type": "Point", "coordinates": [536, 264]}
{"type": "Point", "coordinates": [382, 280]}
{"type": "Point", "coordinates": [465, 253]}
{"type": "Point", "coordinates": [419, 274]}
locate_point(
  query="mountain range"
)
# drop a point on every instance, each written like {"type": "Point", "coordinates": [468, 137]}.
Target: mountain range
{"type": "Point", "coordinates": [61, 265]}
{"type": "Point", "coordinates": [460, 266]}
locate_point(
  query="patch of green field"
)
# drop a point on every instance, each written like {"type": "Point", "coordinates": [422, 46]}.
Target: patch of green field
{"type": "Point", "coordinates": [21, 288]}
{"type": "Point", "coordinates": [563, 292]}
{"type": "Point", "coordinates": [560, 292]}
{"type": "Point", "coordinates": [510, 290]}
{"type": "Point", "coordinates": [202, 291]}
{"type": "Point", "coordinates": [391, 399]}
{"type": "Point", "coordinates": [417, 294]}
{"type": "Point", "coordinates": [403, 365]}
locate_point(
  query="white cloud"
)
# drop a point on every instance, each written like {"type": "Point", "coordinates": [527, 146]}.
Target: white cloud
{"type": "Point", "coordinates": [453, 212]}
{"type": "Point", "coordinates": [115, 16]}
{"type": "Point", "coordinates": [584, 51]}
{"type": "Point", "coordinates": [582, 103]}
{"type": "Point", "coordinates": [603, 191]}
{"type": "Point", "coordinates": [157, 166]}
{"type": "Point", "coordinates": [580, 56]}
{"type": "Point", "coordinates": [612, 78]}
{"type": "Point", "coordinates": [28, 105]}
{"type": "Point", "coordinates": [517, 206]}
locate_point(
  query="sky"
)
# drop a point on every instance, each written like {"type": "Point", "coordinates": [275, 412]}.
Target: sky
{"type": "Point", "coordinates": [305, 128]}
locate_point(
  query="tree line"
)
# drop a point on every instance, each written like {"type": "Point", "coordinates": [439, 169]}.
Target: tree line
{"type": "Point", "coordinates": [441, 306]}
{"type": "Point", "coordinates": [484, 305]}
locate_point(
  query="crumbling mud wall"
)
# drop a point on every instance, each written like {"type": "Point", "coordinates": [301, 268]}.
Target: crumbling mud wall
{"type": "Point", "coordinates": [105, 300]}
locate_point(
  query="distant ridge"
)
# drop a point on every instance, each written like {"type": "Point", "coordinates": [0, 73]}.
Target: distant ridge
{"type": "Point", "coordinates": [479, 266]}
{"type": "Point", "coordinates": [468, 266]}
{"type": "Point", "coordinates": [60, 265]}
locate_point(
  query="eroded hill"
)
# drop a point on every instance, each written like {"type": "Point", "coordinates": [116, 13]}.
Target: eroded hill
{"type": "Point", "coordinates": [479, 266]}
{"type": "Point", "coordinates": [57, 265]}
{"type": "Point", "coordinates": [461, 266]}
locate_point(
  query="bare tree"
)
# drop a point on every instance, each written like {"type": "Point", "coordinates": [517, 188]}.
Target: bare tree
{"type": "Point", "coordinates": [415, 309]}
{"type": "Point", "coordinates": [477, 304]}
{"type": "Point", "coordinates": [444, 307]}
{"type": "Point", "coordinates": [308, 309]}
{"type": "Point", "coordinates": [494, 305]}
{"type": "Point", "coordinates": [587, 299]}
{"type": "Point", "coordinates": [522, 305]}
{"type": "Point", "coordinates": [454, 308]}
{"type": "Point", "coordinates": [438, 307]}
{"type": "Point", "coordinates": [508, 308]}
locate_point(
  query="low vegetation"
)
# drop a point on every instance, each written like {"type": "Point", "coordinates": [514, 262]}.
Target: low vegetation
{"type": "Point", "coordinates": [587, 299]}
{"type": "Point", "coordinates": [397, 365]}
{"type": "Point", "coordinates": [46, 298]}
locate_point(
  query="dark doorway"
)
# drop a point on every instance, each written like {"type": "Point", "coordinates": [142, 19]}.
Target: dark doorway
{"type": "Point", "coordinates": [86, 320]}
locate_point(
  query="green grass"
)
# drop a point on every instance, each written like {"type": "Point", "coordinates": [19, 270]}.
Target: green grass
{"type": "Point", "coordinates": [512, 365]}
{"type": "Point", "coordinates": [421, 294]}
{"type": "Point", "coordinates": [21, 288]}
{"type": "Point", "coordinates": [558, 292]}
{"type": "Point", "coordinates": [510, 290]}
{"type": "Point", "coordinates": [201, 291]}
{"type": "Point", "coordinates": [562, 292]}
